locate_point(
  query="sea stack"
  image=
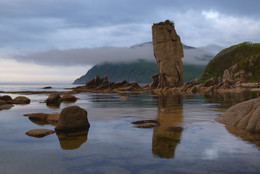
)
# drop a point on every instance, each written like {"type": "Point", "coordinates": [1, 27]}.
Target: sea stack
{"type": "Point", "coordinates": [168, 52]}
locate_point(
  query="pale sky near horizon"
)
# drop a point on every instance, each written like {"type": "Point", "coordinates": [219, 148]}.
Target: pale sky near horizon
{"type": "Point", "coordinates": [30, 28]}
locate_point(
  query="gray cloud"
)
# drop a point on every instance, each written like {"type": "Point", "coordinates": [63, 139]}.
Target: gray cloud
{"type": "Point", "coordinates": [93, 56]}
{"type": "Point", "coordinates": [66, 24]}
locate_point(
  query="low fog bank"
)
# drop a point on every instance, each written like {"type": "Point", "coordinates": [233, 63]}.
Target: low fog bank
{"type": "Point", "coordinates": [93, 56]}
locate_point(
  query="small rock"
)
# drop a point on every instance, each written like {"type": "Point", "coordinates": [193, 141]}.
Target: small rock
{"type": "Point", "coordinates": [72, 118]}
{"type": "Point", "coordinates": [39, 132]}
{"type": "Point", "coordinates": [21, 100]}
{"type": "Point", "coordinates": [146, 123]}
{"type": "Point", "coordinates": [47, 87]}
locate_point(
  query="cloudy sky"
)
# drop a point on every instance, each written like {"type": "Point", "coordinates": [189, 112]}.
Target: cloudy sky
{"type": "Point", "coordinates": [30, 30]}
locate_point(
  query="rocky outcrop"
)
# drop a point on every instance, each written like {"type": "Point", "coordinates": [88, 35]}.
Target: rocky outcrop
{"type": "Point", "coordinates": [72, 118]}
{"type": "Point", "coordinates": [245, 115]}
{"type": "Point", "coordinates": [168, 52]}
{"type": "Point", "coordinates": [104, 85]}
{"type": "Point", "coordinates": [39, 132]}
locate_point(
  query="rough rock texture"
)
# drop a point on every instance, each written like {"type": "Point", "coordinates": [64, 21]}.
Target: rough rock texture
{"type": "Point", "coordinates": [245, 115]}
{"type": "Point", "coordinates": [72, 118]}
{"type": "Point", "coordinates": [21, 100]}
{"type": "Point", "coordinates": [39, 132]}
{"type": "Point", "coordinates": [168, 52]}
{"type": "Point", "coordinates": [104, 85]}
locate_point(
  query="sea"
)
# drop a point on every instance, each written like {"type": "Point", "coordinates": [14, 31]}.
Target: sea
{"type": "Point", "coordinates": [188, 139]}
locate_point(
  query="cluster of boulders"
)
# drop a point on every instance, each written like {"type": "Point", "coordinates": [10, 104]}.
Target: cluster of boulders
{"type": "Point", "coordinates": [71, 119]}
{"type": "Point", "coordinates": [6, 101]}
{"type": "Point", "coordinates": [55, 99]}
{"type": "Point", "coordinates": [104, 85]}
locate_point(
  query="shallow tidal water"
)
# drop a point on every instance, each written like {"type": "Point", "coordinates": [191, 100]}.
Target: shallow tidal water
{"type": "Point", "coordinates": [188, 139]}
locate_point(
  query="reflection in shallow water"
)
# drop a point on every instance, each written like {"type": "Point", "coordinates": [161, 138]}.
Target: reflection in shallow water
{"type": "Point", "coordinates": [244, 134]}
{"type": "Point", "coordinates": [167, 136]}
{"type": "Point", "coordinates": [72, 140]}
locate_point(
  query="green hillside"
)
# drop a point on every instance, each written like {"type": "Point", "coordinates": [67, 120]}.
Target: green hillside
{"type": "Point", "coordinates": [246, 55]}
{"type": "Point", "coordinates": [140, 71]}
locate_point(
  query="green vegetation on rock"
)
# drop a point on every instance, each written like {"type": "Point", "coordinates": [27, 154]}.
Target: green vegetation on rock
{"type": "Point", "coordinates": [140, 71]}
{"type": "Point", "coordinates": [246, 55]}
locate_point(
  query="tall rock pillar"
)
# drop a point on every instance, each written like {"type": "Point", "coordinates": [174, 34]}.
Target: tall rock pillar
{"type": "Point", "coordinates": [168, 52]}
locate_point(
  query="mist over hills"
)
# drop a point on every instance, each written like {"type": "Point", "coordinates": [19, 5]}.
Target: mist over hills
{"type": "Point", "coordinates": [142, 69]}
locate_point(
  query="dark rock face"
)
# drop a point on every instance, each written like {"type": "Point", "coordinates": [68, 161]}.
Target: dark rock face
{"type": "Point", "coordinates": [168, 52]}
{"type": "Point", "coordinates": [21, 100]}
{"type": "Point", "coordinates": [72, 118]}
{"type": "Point", "coordinates": [53, 99]}
{"type": "Point", "coordinates": [7, 99]}
{"type": "Point", "coordinates": [39, 132]}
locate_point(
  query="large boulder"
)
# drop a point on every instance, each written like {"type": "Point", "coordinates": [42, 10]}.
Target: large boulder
{"type": "Point", "coordinates": [168, 52]}
{"type": "Point", "coordinates": [21, 100]}
{"type": "Point", "coordinates": [245, 115]}
{"type": "Point", "coordinates": [72, 118]}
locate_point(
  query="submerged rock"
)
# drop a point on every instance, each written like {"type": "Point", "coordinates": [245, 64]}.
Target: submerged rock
{"type": "Point", "coordinates": [39, 132]}
{"type": "Point", "coordinates": [146, 123]}
{"type": "Point", "coordinates": [72, 118]}
{"type": "Point", "coordinates": [245, 115]}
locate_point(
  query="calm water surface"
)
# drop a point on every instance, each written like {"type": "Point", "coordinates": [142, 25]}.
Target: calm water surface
{"type": "Point", "coordinates": [188, 139]}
